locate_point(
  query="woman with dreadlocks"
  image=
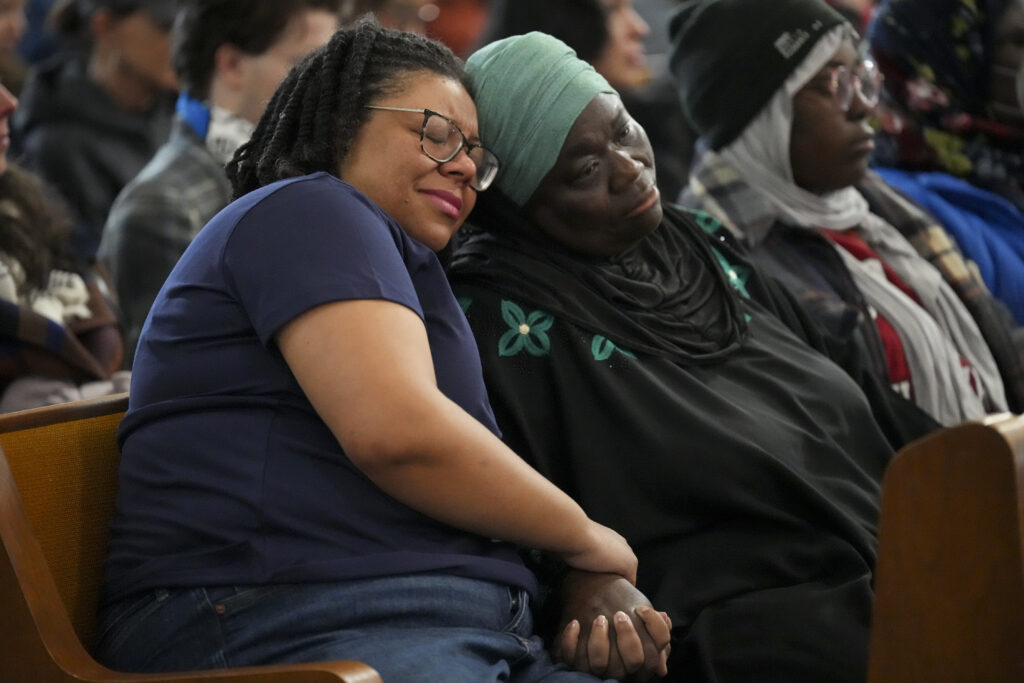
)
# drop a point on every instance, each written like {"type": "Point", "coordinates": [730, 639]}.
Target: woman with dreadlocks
{"type": "Point", "coordinates": [310, 466]}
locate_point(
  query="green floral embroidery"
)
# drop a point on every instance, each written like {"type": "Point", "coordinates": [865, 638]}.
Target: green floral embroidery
{"type": "Point", "coordinates": [603, 348]}
{"type": "Point", "coordinates": [464, 303]}
{"type": "Point", "coordinates": [528, 332]}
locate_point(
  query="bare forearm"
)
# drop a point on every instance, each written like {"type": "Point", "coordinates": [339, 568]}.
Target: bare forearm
{"type": "Point", "coordinates": [396, 426]}
{"type": "Point", "coordinates": [456, 471]}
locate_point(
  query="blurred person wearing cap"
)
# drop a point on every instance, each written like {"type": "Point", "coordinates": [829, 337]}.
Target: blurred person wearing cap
{"type": "Point", "coordinates": [783, 100]}
{"type": "Point", "coordinates": [230, 56]}
{"type": "Point", "coordinates": [93, 115]}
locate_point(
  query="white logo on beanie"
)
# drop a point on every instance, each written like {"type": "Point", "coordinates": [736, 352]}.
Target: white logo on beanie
{"type": "Point", "coordinates": [790, 41]}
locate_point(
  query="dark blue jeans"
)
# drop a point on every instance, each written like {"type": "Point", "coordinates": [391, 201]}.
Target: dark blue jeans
{"type": "Point", "coordinates": [409, 628]}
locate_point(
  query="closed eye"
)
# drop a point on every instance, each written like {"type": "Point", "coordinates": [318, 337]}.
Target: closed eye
{"type": "Point", "coordinates": [584, 174]}
{"type": "Point", "coordinates": [625, 131]}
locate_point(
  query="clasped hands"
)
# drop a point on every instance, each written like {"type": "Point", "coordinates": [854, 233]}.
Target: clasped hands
{"type": "Point", "coordinates": [610, 629]}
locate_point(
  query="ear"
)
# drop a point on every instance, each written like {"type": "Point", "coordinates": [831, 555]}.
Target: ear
{"type": "Point", "coordinates": [230, 65]}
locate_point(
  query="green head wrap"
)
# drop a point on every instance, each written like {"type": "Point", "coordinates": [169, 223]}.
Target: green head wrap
{"type": "Point", "coordinates": [529, 91]}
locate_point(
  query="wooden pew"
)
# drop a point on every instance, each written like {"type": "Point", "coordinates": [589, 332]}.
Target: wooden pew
{"type": "Point", "coordinates": [949, 601]}
{"type": "Point", "coordinates": [58, 475]}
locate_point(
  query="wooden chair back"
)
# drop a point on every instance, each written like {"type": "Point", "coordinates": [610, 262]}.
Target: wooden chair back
{"type": "Point", "coordinates": [949, 582]}
{"type": "Point", "coordinates": [64, 459]}
{"type": "Point", "coordinates": [58, 478]}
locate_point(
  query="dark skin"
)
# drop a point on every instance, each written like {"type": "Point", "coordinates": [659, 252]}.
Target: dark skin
{"type": "Point", "coordinates": [599, 199]}
{"type": "Point", "coordinates": [600, 196]}
{"type": "Point", "coordinates": [610, 629]}
{"type": "Point", "coordinates": [829, 149]}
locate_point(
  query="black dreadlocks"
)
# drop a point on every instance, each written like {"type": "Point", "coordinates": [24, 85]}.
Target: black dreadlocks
{"type": "Point", "coordinates": [313, 117]}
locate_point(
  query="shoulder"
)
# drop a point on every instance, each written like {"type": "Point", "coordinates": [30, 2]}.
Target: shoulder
{"type": "Point", "coordinates": [177, 182]}
{"type": "Point", "coordinates": [316, 190]}
{"type": "Point", "coordinates": [317, 218]}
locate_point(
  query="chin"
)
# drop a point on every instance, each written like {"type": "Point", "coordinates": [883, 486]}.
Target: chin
{"type": "Point", "coordinates": [651, 218]}
{"type": "Point", "coordinates": [438, 239]}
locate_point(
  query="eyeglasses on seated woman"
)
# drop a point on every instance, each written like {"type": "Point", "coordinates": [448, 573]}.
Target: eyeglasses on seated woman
{"type": "Point", "coordinates": [785, 166]}
{"type": "Point", "coordinates": [310, 466]}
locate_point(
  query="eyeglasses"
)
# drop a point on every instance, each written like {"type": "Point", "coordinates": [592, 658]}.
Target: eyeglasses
{"type": "Point", "coordinates": [441, 139]}
{"type": "Point", "coordinates": [865, 79]}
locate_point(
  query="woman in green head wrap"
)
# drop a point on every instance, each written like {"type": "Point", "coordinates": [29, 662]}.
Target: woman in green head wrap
{"type": "Point", "coordinates": [635, 357]}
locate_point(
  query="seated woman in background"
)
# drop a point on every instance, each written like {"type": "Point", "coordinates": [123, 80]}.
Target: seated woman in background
{"type": "Point", "coordinates": [310, 467]}
{"type": "Point", "coordinates": [94, 114]}
{"type": "Point", "coordinates": [783, 155]}
{"type": "Point", "coordinates": [60, 340]}
{"type": "Point", "coordinates": [952, 132]}
{"type": "Point", "coordinates": [647, 369]}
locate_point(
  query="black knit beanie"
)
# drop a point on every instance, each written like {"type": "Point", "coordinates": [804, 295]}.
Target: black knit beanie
{"type": "Point", "coordinates": [729, 57]}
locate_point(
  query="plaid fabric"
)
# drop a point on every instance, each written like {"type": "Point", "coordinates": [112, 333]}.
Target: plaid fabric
{"type": "Point", "coordinates": [31, 344]}
{"type": "Point", "coordinates": [794, 256]}
{"type": "Point", "coordinates": [934, 244]}
{"type": "Point", "coordinates": [154, 220]}
{"type": "Point", "coordinates": [717, 188]}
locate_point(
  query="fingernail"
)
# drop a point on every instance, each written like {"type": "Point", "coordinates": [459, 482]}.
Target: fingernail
{"type": "Point", "coordinates": [601, 621]}
{"type": "Point", "coordinates": [621, 617]}
{"type": "Point", "coordinates": [573, 624]}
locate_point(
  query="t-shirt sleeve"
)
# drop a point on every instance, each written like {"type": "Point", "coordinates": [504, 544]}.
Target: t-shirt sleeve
{"type": "Point", "coordinates": [311, 243]}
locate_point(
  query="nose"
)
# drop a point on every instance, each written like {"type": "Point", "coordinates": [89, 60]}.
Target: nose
{"type": "Point", "coordinates": [20, 26]}
{"type": "Point", "coordinates": [460, 165]}
{"type": "Point", "coordinates": [859, 106]}
{"type": "Point", "coordinates": [8, 102]}
{"type": "Point", "coordinates": [625, 170]}
{"type": "Point", "coordinates": [638, 26]}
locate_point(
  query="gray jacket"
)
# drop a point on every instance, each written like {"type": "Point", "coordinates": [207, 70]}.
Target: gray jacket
{"type": "Point", "coordinates": [155, 218]}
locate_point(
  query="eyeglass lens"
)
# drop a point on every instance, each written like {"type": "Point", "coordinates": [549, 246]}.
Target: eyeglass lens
{"type": "Point", "coordinates": [442, 141]}
{"type": "Point", "coordinates": [864, 79]}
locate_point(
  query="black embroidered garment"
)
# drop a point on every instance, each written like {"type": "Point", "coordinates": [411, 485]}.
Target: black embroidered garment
{"type": "Point", "coordinates": [742, 465]}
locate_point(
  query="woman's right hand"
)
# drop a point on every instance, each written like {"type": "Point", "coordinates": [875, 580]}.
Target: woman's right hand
{"type": "Point", "coordinates": [605, 551]}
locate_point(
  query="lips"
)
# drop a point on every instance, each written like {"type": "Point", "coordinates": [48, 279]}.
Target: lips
{"type": "Point", "coordinates": [863, 145]}
{"type": "Point", "coordinates": [448, 202]}
{"type": "Point", "coordinates": [650, 198]}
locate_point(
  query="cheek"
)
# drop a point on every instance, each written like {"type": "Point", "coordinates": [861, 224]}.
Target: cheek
{"type": "Point", "coordinates": [469, 201]}
{"type": "Point", "coordinates": [813, 140]}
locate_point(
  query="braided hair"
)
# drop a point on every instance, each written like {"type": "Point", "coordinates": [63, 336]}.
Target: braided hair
{"type": "Point", "coordinates": [316, 112]}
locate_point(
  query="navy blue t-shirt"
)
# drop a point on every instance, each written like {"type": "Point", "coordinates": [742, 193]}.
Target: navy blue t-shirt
{"type": "Point", "coordinates": [228, 475]}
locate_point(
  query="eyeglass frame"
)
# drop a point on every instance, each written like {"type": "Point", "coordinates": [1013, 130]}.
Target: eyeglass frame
{"type": "Point", "coordinates": [464, 145]}
{"type": "Point", "coordinates": [856, 80]}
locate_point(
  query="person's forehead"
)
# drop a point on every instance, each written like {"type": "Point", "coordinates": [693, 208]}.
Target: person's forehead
{"type": "Point", "coordinates": [593, 125]}
{"type": "Point", "coordinates": [439, 93]}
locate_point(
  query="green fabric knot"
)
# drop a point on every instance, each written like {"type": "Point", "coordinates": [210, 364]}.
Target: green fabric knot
{"type": "Point", "coordinates": [525, 331]}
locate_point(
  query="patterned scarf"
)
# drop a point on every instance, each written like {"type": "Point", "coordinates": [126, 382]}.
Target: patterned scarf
{"type": "Point", "coordinates": [934, 336]}
{"type": "Point", "coordinates": [936, 56]}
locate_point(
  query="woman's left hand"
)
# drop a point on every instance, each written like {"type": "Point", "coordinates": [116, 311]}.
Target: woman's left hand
{"type": "Point", "coordinates": [610, 629]}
